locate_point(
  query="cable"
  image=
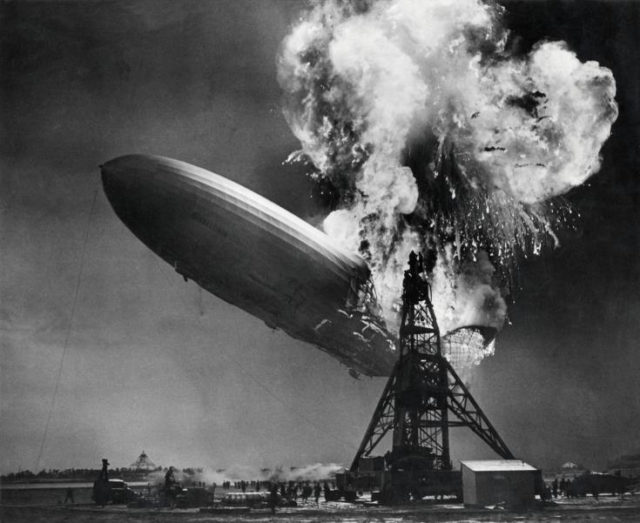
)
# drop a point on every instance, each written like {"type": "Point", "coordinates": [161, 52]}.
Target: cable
{"type": "Point", "coordinates": [68, 333]}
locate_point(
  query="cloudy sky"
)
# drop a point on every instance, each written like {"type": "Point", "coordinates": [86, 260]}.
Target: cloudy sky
{"type": "Point", "coordinates": [153, 363]}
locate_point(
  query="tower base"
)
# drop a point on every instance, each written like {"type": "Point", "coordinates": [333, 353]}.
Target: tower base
{"type": "Point", "coordinates": [422, 400]}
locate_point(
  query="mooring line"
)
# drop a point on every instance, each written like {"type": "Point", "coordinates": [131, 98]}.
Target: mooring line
{"type": "Point", "coordinates": [68, 333]}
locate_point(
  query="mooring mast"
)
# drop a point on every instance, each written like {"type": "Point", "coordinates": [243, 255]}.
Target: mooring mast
{"type": "Point", "coordinates": [422, 398]}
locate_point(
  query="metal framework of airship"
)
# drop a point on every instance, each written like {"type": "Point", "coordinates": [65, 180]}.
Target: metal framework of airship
{"type": "Point", "coordinates": [253, 254]}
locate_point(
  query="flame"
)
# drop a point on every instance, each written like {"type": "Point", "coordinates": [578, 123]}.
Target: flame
{"type": "Point", "coordinates": [437, 138]}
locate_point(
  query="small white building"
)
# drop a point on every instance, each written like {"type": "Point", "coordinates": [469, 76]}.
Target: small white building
{"type": "Point", "coordinates": [489, 482]}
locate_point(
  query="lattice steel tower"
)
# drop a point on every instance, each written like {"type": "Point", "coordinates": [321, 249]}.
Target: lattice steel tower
{"type": "Point", "coordinates": [423, 397]}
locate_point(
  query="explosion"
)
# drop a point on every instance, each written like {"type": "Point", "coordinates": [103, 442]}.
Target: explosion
{"type": "Point", "coordinates": [426, 132]}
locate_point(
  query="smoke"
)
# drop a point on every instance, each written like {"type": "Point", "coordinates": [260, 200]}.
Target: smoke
{"type": "Point", "coordinates": [427, 133]}
{"type": "Point", "coordinates": [313, 472]}
{"type": "Point", "coordinates": [466, 292]}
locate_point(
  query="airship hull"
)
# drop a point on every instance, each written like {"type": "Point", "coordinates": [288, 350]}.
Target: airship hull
{"type": "Point", "coordinates": [252, 254]}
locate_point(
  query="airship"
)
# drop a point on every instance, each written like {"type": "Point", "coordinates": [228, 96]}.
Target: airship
{"type": "Point", "coordinates": [253, 254]}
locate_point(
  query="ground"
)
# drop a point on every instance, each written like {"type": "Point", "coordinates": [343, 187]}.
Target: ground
{"type": "Point", "coordinates": [586, 509]}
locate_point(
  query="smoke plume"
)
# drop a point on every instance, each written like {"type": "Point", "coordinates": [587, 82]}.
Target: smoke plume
{"type": "Point", "coordinates": [313, 472]}
{"type": "Point", "coordinates": [426, 132]}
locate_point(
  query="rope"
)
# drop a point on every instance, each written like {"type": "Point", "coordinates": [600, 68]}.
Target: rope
{"type": "Point", "coordinates": [68, 333]}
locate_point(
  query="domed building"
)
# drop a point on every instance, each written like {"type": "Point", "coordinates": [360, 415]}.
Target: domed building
{"type": "Point", "coordinates": [143, 463]}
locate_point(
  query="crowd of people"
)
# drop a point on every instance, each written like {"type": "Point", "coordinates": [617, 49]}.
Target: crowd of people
{"type": "Point", "coordinates": [279, 492]}
{"type": "Point", "coordinates": [564, 488]}
{"type": "Point", "coordinates": [290, 489]}
{"type": "Point", "coordinates": [581, 486]}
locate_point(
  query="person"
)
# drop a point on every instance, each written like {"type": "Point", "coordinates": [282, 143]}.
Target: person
{"type": "Point", "coordinates": [169, 479]}
{"type": "Point", "coordinates": [101, 491]}
{"type": "Point", "coordinates": [571, 489]}
{"type": "Point", "coordinates": [554, 487]}
{"type": "Point", "coordinates": [104, 473]}
{"type": "Point", "coordinates": [316, 491]}
{"type": "Point", "coordinates": [306, 492]}
{"type": "Point", "coordinates": [327, 491]}
{"type": "Point", "coordinates": [169, 486]}
{"type": "Point", "coordinates": [69, 496]}
{"type": "Point", "coordinates": [273, 497]}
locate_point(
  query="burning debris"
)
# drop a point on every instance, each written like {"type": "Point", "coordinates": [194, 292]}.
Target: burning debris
{"type": "Point", "coordinates": [425, 132]}
{"type": "Point", "coordinates": [467, 346]}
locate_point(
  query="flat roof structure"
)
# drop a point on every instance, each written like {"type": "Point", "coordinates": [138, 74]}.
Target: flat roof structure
{"type": "Point", "coordinates": [497, 465]}
{"type": "Point", "coordinates": [511, 482]}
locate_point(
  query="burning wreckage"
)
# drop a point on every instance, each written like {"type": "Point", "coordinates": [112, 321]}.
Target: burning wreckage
{"type": "Point", "coordinates": [263, 259]}
{"type": "Point", "coordinates": [426, 130]}
{"type": "Point", "coordinates": [253, 254]}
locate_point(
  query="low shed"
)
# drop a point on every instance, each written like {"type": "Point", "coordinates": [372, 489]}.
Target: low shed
{"type": "Point", "coordinates": [508, 481]}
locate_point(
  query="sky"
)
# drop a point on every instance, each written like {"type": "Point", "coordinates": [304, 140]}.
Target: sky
{"type": "Point", "coordinates": [154, 363]}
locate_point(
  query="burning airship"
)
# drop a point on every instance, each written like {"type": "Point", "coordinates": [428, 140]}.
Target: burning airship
{"type": "Point", "coordinates": [431, 135]}
{"type": "Point", "coordinates": [253, 254]}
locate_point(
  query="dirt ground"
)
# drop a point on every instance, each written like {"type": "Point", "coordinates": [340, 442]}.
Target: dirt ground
{"type": "Point", "coordinates": [605, 509]}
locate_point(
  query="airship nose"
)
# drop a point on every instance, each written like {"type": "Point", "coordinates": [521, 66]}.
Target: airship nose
{"type": "Point", "coordinates": [114, 179]}
{"type": "Point", "coordinates": [129, 191]}
{"type": "Point", "coordinates": [151, 199]}
{"type": "Point", "coordinates": [249, 252]}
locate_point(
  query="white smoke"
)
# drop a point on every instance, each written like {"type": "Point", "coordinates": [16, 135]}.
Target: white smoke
{"type": "Point", "coordinates": [466, 295]}
{"type": "Point", "coordinates": [313, 472]}
{"type": "Point", "coordinates": [539, 122]}
{"type": "Point", "coordinates": [366, 81]}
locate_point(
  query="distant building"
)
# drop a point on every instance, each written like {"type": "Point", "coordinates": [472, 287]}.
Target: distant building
{"type": "Point", "coordinates": [627, 465]}
{"type": "Point", "coordinates": [143, 463]}
{"type": "Point", "coordinates": [491, 482]}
